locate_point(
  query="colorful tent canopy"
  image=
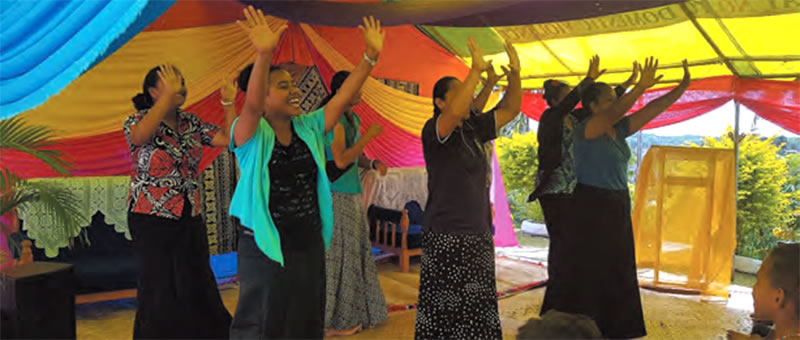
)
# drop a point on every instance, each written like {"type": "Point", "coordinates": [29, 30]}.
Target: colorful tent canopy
{"type": "Point", "coordinates": [450, 13]}
{"type": "Point", "coordinates": [733, 46]}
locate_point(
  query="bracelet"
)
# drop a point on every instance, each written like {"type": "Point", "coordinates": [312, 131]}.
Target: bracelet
{"type": "Point", "coordinates": [223, 102]}
{"type": "Point", "coordinates": [370, 61]}
{"type": "Point", "coordinates": [372, 164]}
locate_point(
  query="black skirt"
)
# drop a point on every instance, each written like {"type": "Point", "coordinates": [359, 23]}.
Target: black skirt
{"type": "Point", "coordinates": [559, 213]}
{"type": "Point", "coordinates": [177, 294]}
{"type": "Point", "coordinates": [600, 267]}
{"type": "Point", "coordinates": [457, 288]}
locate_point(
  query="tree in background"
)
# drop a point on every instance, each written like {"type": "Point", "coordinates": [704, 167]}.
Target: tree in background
{"type": "Point", "coordinates": [792, 188]}
{"type": "Point", "coordinates": [518, 162]}
{"type": "Point", "coordinates": [763, 206]}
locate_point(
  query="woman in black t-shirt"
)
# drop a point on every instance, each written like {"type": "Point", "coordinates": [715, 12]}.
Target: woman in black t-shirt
{"type": "Point", "coordinates": [457, 297]}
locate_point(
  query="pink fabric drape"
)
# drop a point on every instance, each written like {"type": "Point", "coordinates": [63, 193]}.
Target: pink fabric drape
{"type": "Point", "coordinates": [504, 235]}
{"type": "Point", "coordinates": [775, 101]}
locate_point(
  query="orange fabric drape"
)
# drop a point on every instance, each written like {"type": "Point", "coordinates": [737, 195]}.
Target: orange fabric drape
{"type": "Point", "coordinates": [408, 55]}
{"type": "Point", "coordinates": [194, 13]}
{"type": "Point", "coordinates": [100, 100]}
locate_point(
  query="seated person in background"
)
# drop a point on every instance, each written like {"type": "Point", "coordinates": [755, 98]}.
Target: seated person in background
{"type": "Point", "coordinates": [776, 294]}
{"type": "Point", "coordinates": [558, 325]}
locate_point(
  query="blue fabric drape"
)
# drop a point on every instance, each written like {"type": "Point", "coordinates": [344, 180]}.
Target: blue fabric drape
{"type": "Point", "coordinates": [151, 12]}
{"type": "Point", "coordinates": [44, 45]}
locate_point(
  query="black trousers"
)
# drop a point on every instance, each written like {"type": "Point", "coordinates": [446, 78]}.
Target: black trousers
{"type": "Point", "coordinates": [559, 212]}
{"type": "Point", "coordinates": [278, 302]}
{"type": "Point", "coordinates": [177, 294]}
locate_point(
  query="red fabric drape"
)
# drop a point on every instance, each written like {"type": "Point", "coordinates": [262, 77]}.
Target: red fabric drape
{"type": "Point", "coordinates": [701, 97]}
{"type": "Point", "coordinates": [775, 101]}
{"type": "Point", "coordinates": [292, 47]}
{"type": "Point", "coordinates": [533, 105]}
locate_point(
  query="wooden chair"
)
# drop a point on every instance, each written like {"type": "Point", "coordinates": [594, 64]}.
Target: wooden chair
{"type": "Point", "coordinates": [384, 235]}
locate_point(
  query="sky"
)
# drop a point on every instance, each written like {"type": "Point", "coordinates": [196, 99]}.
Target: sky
{"type": "Point", "coordinates": [715, 122]}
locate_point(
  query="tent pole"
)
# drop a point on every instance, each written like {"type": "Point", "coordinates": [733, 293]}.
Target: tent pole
{"type": "Point", "coordinates": [736, 143]}
{"type": "Point", "coordinates": [638, 153]}
{"type": "Point", "coordinates": [736, 178]}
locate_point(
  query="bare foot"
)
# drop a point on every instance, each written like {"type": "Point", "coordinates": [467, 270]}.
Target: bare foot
{"type": "Point", "coordinates": [342, 332]}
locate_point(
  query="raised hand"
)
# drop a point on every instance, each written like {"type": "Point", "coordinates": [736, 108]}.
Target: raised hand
{"type": "Point", "coordinates": [634, 75]}
{"type": "Point", "coordinates": [374, 130]}
{"type": "Point", "coordinates": [373, 36]}
{"type": "Point", "coordinates": [228, 89]}
{"type": "Point", "coordinates": [505, 70]}
{"type": "Point", "coordinates": [513, 57]}
{"type": "Point", "coordinates": [492, 77]}
{"type": "Point", "coordinates": [263, 38]}
{"type": "Point", "coordinates": [686, 76]}
{"type": "Point", "coordinates": [594, 68]}
{"type": "Point", "coordinates": [649, 77]}
{"type": "Point", "coordinates": [173, 83]}
{"type": "Point", "coordinates": [478, 63]}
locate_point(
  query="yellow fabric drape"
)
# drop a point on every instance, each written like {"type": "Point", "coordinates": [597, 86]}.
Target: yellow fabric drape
{"type": "Point", "coordinates": [684, 218]}
{"type": "Point", "coordinates": [100, 100]}
{"type": "Point", "coordinates": [407, 111]}
{"type": "Point", "coordinates": [748, 38]}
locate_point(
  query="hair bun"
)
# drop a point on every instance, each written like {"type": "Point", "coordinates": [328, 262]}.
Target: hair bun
{"type": "Point", "coordinates": [142, 101]}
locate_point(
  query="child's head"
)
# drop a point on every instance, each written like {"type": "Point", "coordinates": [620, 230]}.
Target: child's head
{"type": "Point", "coordinates": [776, 294]}
{"type": "Point", "coordinates": [558, 325]}
{"type": "Point", "coordinates": [283, 97]}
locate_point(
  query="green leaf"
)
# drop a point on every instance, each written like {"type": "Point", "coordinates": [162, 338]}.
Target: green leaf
{"type": "Point", "coordinates": [15, 134]}
{"type": "Point", "coordinates": [17, 193]}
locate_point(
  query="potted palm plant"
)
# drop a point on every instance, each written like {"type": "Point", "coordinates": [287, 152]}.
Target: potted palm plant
{"type": "Point", "coordinates": [37, 297]}
{"type": "Point", "coordinates": [16, 193]}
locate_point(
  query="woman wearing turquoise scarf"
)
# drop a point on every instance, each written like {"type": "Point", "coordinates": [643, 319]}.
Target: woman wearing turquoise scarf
{"type": "Point", "coordinates": [283, 197]}
{"type": "Point", "coordinates": [355, 299]}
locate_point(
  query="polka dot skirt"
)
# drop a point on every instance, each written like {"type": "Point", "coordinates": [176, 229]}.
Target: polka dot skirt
{"type": "Point", "coordinates": [457, 288]}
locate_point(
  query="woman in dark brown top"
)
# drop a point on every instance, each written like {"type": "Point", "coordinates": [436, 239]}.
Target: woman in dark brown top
{"type": "Point", "coordinates": [457, 296]}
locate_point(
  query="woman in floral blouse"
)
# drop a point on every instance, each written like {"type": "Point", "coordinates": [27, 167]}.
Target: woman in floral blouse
{"type": "Point", "coordinates": [177, 293]}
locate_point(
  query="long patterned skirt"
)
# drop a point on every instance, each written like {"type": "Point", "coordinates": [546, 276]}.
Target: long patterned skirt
{"type": "Point", "coordinates": [457, 288]}
{"type": "Point", "coordinates": [354, 295]}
